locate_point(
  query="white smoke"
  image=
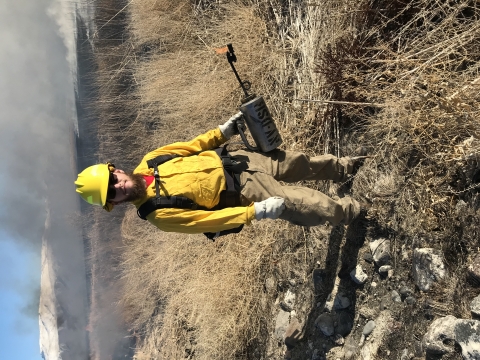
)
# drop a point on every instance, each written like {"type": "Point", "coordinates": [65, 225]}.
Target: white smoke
{"type": "Point", "coordinates": [37, 109]}
{"type": "Point", "coordinates": [36, 112]}
{"type": "Point", "coordinates": [64, 14]}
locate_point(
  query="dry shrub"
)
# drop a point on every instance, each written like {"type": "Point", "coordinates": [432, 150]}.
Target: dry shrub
{"type": "Point", "coordinates": [305, 33]}
{"type": "Point", "coordinates": [186, 88]}
{"type": "Point", "coordinates": [190, 295]}
{"type": "Point", "coordinates": [418, 63]}
{"type": "Point", "coordinates": [422, 66]}
{"type": "Point", "coordinates": [121, 134]}
{"type": "Point", "coordinates": [160, 23]}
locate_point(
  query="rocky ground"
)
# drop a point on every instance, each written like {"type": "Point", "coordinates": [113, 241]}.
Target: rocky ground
{"type": "Point", "coordinates": [373, 301]}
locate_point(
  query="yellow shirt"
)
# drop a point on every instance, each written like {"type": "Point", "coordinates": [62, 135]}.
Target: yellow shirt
{"type": "Point", "coordinates": [198, 177]}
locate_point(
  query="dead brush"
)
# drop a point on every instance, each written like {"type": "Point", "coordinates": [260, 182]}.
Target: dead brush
{"type": "Point", "coordinates": [425, 76]}
{"type": "Point", "coordinates": [207, 298]}
{"type": "Point", "coordinates": [420, 61]}
{"type": "Point", "coordinates": [175, 81]}
{"type": "Point", "coordinates": [118, 124]}
{"type": "Point", "coordinates": [451, 297]}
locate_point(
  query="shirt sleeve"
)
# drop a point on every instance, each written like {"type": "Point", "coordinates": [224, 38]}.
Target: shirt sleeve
{"type": "Point", "coordinates": [199, 221]}
{"type": "Point", "coordinates": [210, 140]}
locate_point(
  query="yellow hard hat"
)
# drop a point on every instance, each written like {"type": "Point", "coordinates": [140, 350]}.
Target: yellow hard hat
{"type": "Point", "coordinates": [92, 184]}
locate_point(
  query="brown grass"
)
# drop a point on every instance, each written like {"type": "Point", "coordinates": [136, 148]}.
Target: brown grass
{"type": "Point", "coordinates": [417, 60]}
{"type": "Point", "coordinates": [205, 297]}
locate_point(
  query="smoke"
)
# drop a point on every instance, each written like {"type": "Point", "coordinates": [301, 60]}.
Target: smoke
{"type": "Point", "coordinates": [37, 117]}
{"type": "Point", "coordinates": [29, 310]}
{"type": "Point", "coordinates": [37, 143]}
{"type": "Point", "coordinates": [37, 99]}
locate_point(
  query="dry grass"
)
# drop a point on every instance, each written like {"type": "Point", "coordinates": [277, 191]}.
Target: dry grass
{"type": "Point", "coordinates": [198, 299]}
{"type": "Point", "coordinates": [180, 72]}
{"type": "Point", "coordinates": [417, 61]}
{"type": "Point", "coordinates": [424, 69]}
{"type": "Point", "coordinates": [190, 295]}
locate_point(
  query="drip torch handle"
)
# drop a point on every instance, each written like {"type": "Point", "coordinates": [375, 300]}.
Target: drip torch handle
{"type": "Point", "coordinates": [241, 127]}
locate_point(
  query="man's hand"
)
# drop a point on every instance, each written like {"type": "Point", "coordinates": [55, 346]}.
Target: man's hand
{"type": "Point", "coordinates": [229, 128]}
{"type": "Point", "coordinates": [271, 208]}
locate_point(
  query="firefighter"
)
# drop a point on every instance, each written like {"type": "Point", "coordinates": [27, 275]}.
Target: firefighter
{"type": "Point", "coordinates": [199, 187]}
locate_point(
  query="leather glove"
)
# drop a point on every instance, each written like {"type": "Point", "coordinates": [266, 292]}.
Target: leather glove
{"type": "Point", "coordinates": [271, 208]}
{"type": "Point", "coordinates": [230, 128]}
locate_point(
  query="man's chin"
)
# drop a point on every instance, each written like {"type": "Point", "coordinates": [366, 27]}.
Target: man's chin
{"type": "Point", "coordinates": [138, 190]}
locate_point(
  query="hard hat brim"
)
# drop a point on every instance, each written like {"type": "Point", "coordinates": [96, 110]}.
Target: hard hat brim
{"type": "Point", "coordinates": [104, 174]}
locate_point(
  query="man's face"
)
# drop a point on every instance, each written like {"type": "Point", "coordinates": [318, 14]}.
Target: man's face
{"type": "Point", "coordinates": [125, 187]}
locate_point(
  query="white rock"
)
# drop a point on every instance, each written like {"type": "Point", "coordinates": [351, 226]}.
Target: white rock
{"type": "Point", "coordinates": [358, 275]}
{"type": "Point", "coordinates": [466, 333]}
{"type": "Point", "coordinates": [396, 297]}
{"type": "Point", "coordinates": [384, 269]}
{"type": "Point", "coordinates": [368, 328]}
{"type": "Point", "coordinates": [380, 249]}
{"type": "Point", "coordinates": [460, 207]}
{"type": "Point", "coordinates": [475, 306]}
{"type": "Point", "coordinates": [289, 299]}
{"type": "Point", "coordinates": [405, 253]}
{"type": "Point", "coordinates": [281, 324]}
{"type": "Point", "coordinates": [428, 267]}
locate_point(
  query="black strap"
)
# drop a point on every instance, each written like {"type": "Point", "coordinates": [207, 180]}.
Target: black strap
{"type": "Point", "coordinates": [154, 163]}
{"type": "Point", "coordinates": [159, 160]}
{"type": "Point", "coordinates": [230, 163]}
{"type": "Point", "coordinates": [212, 236]}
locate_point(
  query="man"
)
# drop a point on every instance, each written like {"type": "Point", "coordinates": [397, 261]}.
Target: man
{"type": "Point", "coordinates": [201, 177]}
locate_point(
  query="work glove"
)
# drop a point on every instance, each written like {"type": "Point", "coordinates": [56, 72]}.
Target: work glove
{"type": "Point", "coordinates": [271, 208]}
{"type": "Point", "coordinates": [230, 128]}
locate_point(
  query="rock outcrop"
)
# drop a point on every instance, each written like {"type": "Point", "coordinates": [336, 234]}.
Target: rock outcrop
{"type": "Point", "coordinates": [446, 331]}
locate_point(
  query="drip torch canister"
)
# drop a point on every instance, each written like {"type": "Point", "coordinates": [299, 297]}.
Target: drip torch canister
{"type": "Point", "coordinates": [256, 116]}
{"type": "Point", "coordinates": [261, 125]}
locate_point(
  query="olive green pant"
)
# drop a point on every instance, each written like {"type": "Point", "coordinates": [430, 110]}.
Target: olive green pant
{"type": "Point", "coordinates": [304, 206]}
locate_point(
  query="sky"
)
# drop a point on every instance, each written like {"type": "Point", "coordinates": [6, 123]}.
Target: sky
{"type": "Point", "coordinates": [36, 117]}
{"type": "Point", "coordinates": [18, 303]}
